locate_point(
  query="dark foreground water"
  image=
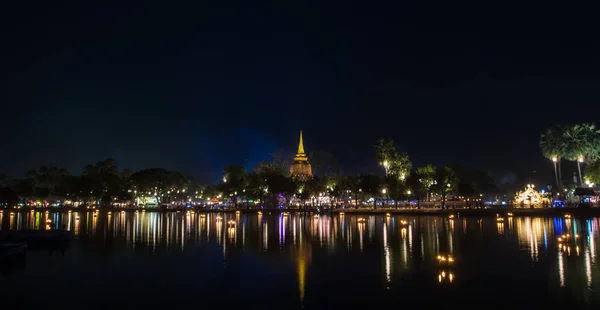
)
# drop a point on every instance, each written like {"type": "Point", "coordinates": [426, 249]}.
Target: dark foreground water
{"type": "Point", "coordinates": [229, 261]}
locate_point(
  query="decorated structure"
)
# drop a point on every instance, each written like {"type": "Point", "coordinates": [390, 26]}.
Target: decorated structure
{"type": "Point", "coordinates": [530, 198]}
{"type": "Point", "coordinates": [301, 167]}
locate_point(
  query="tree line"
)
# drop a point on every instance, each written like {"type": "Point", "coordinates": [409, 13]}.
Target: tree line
{"type": "Point", "coordinates": [268, 182]}
{"type": "Point", "coordinates": [99, 183]}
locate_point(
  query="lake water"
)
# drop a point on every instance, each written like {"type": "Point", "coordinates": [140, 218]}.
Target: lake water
{"type": "Point", "coordinates": [272, 260]}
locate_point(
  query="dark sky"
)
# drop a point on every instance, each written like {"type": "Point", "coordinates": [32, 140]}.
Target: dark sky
{"type": "Point", "coordinates": [194, 85]}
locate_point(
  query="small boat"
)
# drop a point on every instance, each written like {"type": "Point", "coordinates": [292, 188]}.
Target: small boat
{"type": "Point", "coordinates": [9, 248]}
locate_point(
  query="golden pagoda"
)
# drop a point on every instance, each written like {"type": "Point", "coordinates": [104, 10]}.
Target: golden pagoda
{"type": "Point", "coordinates": [301, 167]}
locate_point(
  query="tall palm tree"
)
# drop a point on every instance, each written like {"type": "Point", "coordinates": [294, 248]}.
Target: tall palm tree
{"type": "Point", "coordinates": [592, 134]}
{"type": "Point", "coordinates": [575, 146]}
{"type": "Point", "coordinates": [385, 152]}
{"type": "Point", "coordinates": [552, 143]}
{"type": "Point", "coordinates": [582, 141]}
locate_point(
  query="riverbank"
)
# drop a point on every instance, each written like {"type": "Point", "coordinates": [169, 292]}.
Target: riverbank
{"type": "Point", "coordinates": [493, 211]}
{"type": "Point", "coordinates": [478, 212]}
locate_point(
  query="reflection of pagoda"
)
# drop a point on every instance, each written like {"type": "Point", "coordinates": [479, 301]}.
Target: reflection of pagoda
{"type": "Point", "coordinates": [302, 255]}
{"type": "Point", "coordinates": [301, 167]}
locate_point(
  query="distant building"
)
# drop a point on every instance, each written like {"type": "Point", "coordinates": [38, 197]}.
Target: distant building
{"type": "Point", "coordinates": [301, 167]}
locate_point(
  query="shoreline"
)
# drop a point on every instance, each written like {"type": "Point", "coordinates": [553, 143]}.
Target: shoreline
{"type": "Point", "coordinates": [501, 211]}
{"type": "Point", "coordinates": [479, 212]}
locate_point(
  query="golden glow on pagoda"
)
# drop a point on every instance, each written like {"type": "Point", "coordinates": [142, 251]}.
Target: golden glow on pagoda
{"type": "Point", "coordinates": [300, 155]}
{"type": "Point", "coordinates": [301, 166]}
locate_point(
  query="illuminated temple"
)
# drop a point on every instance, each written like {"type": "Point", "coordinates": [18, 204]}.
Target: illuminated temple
{"type": "Point", "coordinates": [301, 167]}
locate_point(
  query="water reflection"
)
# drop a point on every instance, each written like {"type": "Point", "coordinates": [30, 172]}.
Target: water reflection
{"type": "Point", "coordinates": [404, 244]}
{"type": "Point", "coordinates": [387, 255]}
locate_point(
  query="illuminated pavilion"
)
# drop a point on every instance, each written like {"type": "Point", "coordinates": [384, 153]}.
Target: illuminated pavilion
{"type": "Point", "coordinates": [301, 167]}
{"type": "Point", "coordinates": [530, 197]}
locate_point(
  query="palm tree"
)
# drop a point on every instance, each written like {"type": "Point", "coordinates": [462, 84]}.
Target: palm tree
{"type": "Point", "coordinates": [552, 143]}
{"type": "Point", "coordinates": [582, 141]}
{"type": "Point", "coordinates": [385, 152]}
{"type": "Point", "coordinates": [593, 141]}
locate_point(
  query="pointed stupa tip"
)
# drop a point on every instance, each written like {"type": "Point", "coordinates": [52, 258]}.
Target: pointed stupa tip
{"type": "Point", "coordinates": [301, 145]}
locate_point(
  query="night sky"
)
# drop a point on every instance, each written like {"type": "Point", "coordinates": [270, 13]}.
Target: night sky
{"type": "Point", "coordinates": [192, 86]}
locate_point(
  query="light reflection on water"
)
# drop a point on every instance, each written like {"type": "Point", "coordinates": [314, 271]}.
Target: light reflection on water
{"type": "Point", "coordinates": [404, 244]}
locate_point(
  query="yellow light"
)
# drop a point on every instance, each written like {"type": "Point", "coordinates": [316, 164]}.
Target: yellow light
{"type": "Point", "coordinates": [387, 214]}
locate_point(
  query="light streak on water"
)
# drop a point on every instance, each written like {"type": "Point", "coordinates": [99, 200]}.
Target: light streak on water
{"type": "Point", "coordinates": [387, 255]}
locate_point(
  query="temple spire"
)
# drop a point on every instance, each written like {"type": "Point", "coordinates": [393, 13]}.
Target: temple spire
{"type": "Point", "coordinates": [301, 167]}
{"type": "Point", "coordinates": [300, 146]}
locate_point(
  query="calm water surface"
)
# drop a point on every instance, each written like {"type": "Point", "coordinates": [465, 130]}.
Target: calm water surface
{"type": "Point", "coordinates": [228, 260]}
